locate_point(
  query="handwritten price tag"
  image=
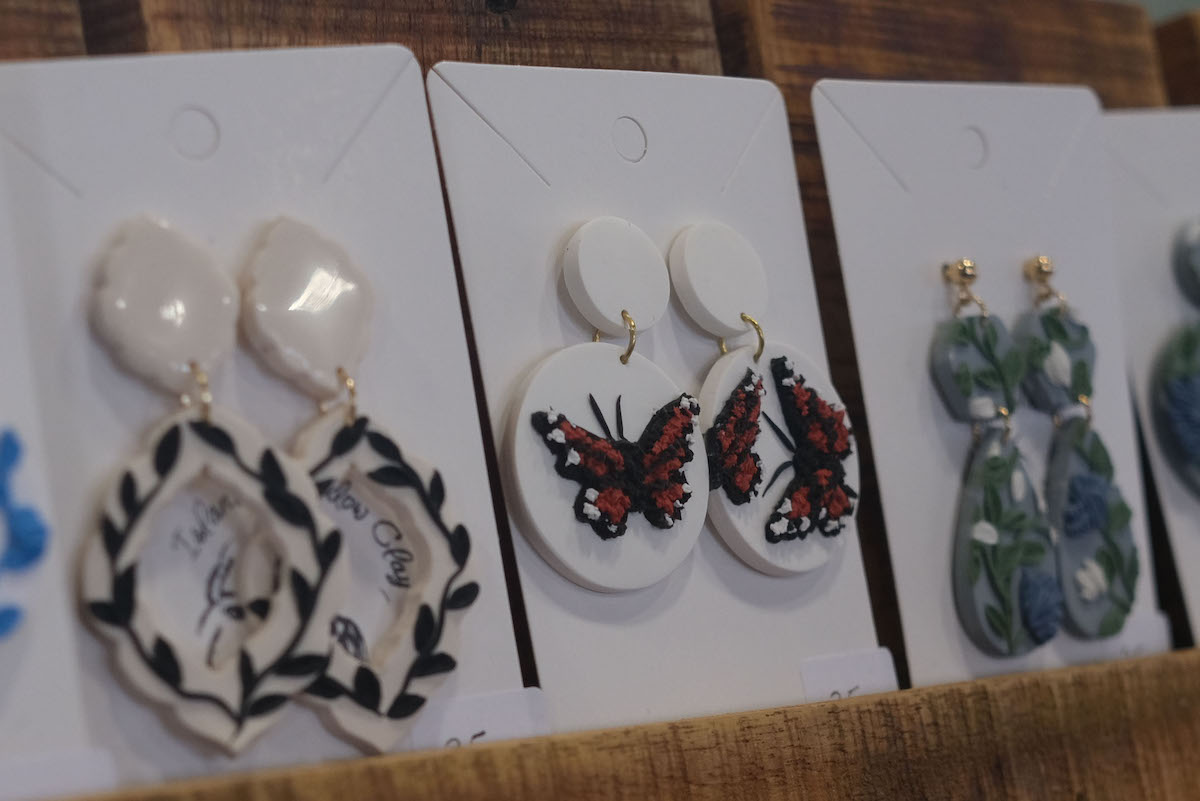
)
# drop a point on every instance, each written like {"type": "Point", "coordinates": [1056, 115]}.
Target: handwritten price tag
{"type": "Point", "coordinates": [848, 674]}
{"type": "Point", "coordinates": [482, 718]}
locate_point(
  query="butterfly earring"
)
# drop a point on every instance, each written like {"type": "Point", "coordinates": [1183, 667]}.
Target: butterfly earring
{"type": "Point", "coordinates": [1175, 387]}
{"type": "Point", "coordinates": [307, 313]}
{"type": "Point", "coordinates": [160, 575]}
{"type": "Point", "coordinates": [1097, 558]}
{"type": "Point", "coordinates": [1003, 568]}
{"type": "Point", "coordinates": [609, 512]}
{"type": "Point", "coordinates": [780, 500]}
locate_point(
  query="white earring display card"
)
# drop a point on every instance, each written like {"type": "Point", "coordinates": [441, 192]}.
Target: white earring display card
{"type": "Point", "coordinates": [921, 175]}
{"type": "Point", "coordinates": [221, 146]}
{"type": "Point", "coordinates": [1156, 179]}
{"type": "Point", "coordinates": [529, 156]}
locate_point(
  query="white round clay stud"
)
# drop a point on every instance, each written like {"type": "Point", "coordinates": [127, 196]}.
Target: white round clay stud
{"type": "Point", "coordinates": [771, 536]}
{"type": "Point", "coordinates": [306, 307]}
{"type": "Point", "coordinates": [161, 304]}
{"type": "Point", "coordinates": [718, 277]}
{"type": "Point", "coordinates": [555, 429]}
{"type": "Point", "coordinates": [229, 700]}
{"type": "Point", "coordinates": [396, 634]}
{"type": "Point", "coordinates": [610, 265]}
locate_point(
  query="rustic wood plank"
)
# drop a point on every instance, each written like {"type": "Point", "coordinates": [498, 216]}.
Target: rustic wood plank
{"type": "Point", "coordinates": [40, 29]}
{"type": "Point", "coordinates": [1179, 49]}
{"type": "Point", "coordinates": [1106, 45]}
{"type": "Point", "coordinates": [669, 36]}
{"type": "Point", "coordinates": [1118, 731]}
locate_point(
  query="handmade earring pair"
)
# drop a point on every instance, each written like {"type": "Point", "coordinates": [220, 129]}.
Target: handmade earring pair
{"type": "Point", "coordinates": [275, 614]}
{"type": "Point", "coordinates": [630, 511]}
{"type": "Point", "coordinates": [1175, 387]}
{"type": "Point", "coordinates": [1020, 565]}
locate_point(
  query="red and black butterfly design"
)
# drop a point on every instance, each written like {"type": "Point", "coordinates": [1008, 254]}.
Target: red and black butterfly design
{"type": "Point", "coordinates": [618, 477]}
{"type": "Point", "coordinates": [732, 463]}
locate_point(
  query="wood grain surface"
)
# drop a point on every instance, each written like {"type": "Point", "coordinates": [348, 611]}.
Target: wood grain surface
{"type": "Point", "coordinates": [1106, 45]}
{"type": "Point", "coordinates": [1122, 731]}
{"type": "Point", "coordinates": [666, 35]}
{"type": "Point", "coordinates": [40, 29]}
{"type": "Point", "coordinates": [1179, 49]}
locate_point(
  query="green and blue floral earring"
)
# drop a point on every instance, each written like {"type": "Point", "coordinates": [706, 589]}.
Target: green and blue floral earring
{"type": "Point", "coordinates": [1098, 561]}
{"type": "Point", "coordinates": [1005, 589]}
{"type": "Point", "coordinates": [1175, 391]}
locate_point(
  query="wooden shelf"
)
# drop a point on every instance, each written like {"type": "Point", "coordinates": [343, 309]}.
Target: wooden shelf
{"type": "Point", "coordinates": [1179, 48]}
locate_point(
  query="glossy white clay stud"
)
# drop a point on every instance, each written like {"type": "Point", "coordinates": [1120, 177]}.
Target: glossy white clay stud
{"type": "Point", "coordinates": [307, 307]}
{"type": "Point", "coordinates": [161, 306]}
{"type": "Point", "coordinates": [718, 276]}
{"type": "Point", "coordinates": [610, 265]}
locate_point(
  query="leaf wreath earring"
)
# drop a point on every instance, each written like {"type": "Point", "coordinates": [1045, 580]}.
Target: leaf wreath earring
{"type": "Point", "coordinates": [1175, 388]}
{"type": "Point", "coordinates": [608, 512]}
{"type": "Point", "coordinates": [778, 501]}
{"type": "Point", "coordinates": [1097, 558]}
{"type": "Point", "coordinates": [160, 576]}
{"type": "Point", "coordinates": [1005, 586]}
{"type": "Point", "coordinates": [307, 313]}
{"type": "Point", "coordinates": [23, 533]}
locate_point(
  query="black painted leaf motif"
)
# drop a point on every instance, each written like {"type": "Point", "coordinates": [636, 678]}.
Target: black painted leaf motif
{"type": "Point", "coordinates": [260, 607]}
{"type": "Point", "coordinates": [246, 673]}
{"type": "Point", "coordinates": [303, 593]}
{"type": "Point", "coordinates": [129, 497]}
{"type": "Point", "coordinates": [106, 613]}
{"type": "Point", "coordinates": [347, 437]}
{"type": "Point", "coordinates": [392, 476]}
{"type": "Point", "coordinates": [215, 436]}
{"type": "Point", "coordinates": [366, 688]}
{"type": "Point", "coordinates": [329, 549]}
{"type": "Point", "coordinates": [272, 473]}
{"type": "Point", "coordinates": [288, 507]}
{"type": "Point", "coordinates": [324, 485]}
{"type": "Point", "coordinates": [266, 705]}
{"type": "Point", "coordinates": [437, 491]}
{"type": "Point", "coordinates": [164, 663]}
{"type": "Point", "coordinates": [325, 687]}
{"type": "Point", "coordinates": [424, 630]}
{"type": "Point", "coordinates": [405, 705]}
{"type": "Point", "coordinates": [460, 545]}
{"type": "Point", "coordinates": [463, 597]}
{"type": "Point", "coordinates": [303, 665]}
{"type": "Point", "coordinates": [166, 453]}
{"type": "Point", "coordinates": [433, 664]}
{"type": "Point", "coordinates": [383, 446]}
{"type": "Point", "coordinates": [113, 539]}
{"type": "Point", "coordinates": [123, 587]}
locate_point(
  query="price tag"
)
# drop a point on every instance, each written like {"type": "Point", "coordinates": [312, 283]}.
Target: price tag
{"type": "Point", "coordinates": [482, 718]}
{"type": "Point", "coordinates": [848, 674]}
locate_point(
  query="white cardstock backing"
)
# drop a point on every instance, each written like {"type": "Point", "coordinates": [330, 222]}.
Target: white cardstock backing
{"type": "Point", "coordinates": [529, 155]}
{"type": "Point", "coordinates": [1156, 181]}
{"type": "Point", "coordinates": [219, 145]}
{"type": "Point", "coordinates": [922, 174]}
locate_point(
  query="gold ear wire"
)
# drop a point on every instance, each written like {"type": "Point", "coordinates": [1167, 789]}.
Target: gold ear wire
{"type": "Point", "coordinates": [762, 341]}
{"type": "Point", "coordinates": [351, 394]}
{"type": "Point", "coordinates": [1038, 271]}
{"type": "Point", "coordinates": [961, 274]}
{"type": "Point", "coordinates": [632, 326]}
{"type": "Point", "coordinates": [203, 393]}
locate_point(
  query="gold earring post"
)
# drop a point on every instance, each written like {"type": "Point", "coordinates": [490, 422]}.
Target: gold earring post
{"type": "Point", "coordinates": [1038, 271]}
{"type": "Point", "coordinates": [961, 274]}
{"type": "Point", "coordinates": [352, 395]}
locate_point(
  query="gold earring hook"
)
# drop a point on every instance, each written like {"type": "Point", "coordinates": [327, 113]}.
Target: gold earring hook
{"type": "Point", "coordinates": [1037, 271]}
{"type": "Point", "coordinates": [200, 377]}
{"type": "Point", "coordinates": [352, 395]}
{"type": "Point", "coordinates": [632, 326]}
{"type": "Point", "coordinates": [762, 341]}
{"type": "Point", "coordinates": [961, 274]}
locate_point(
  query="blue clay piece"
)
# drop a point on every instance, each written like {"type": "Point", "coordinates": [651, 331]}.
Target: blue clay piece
{"type": "Point", "coordinates": [976, 367]}
{"type": "Point", "coordinates": [1060, 358]}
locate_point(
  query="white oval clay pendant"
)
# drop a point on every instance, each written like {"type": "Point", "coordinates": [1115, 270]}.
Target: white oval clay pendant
{"type": "Point", "coordinates": [159, 581]}
{"type": "Point", "coordinates": [782, 464]}
{"type": "Point", "coordinates": [608, 467]}
{"type": "Point", "coordinates": [397, 631]}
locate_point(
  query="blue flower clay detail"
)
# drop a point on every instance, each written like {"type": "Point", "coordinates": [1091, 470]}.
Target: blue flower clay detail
{"type": "Point", "coordinates": [1087, 505]}
{"type": "Point", "coordinates": [25, 531]}
{"type": "Point", "coordinates": [1041, 603]}
{"type": "Point", "coordinates": [1183, 412]}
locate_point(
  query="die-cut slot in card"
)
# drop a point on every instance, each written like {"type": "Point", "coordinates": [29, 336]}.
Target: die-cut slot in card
{"type": "Point", "coordinates": [218, 145]}
{"type": "Point", "coordinates": [923, 174]}
{"type": "Point", "coordinates": [1156, 182]}
{"type": "Point", "coordinates": [529, 155]}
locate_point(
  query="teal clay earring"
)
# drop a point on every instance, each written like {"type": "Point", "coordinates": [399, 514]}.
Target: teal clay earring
{"type": "Point", "coordinates": [1005, 589]}
{"type": "Point", "coordinates": [1175, 391]}
{"type": "Point", "coordinates": [1098, 561]}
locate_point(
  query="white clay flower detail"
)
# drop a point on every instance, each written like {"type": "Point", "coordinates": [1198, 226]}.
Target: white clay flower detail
{"type": "Point", "coordinates": [1016, 486]}
{"type": "Point", "coordinates": [981, 407]}
{"type": "Point", "coordinates": [1090, 580]}
{"type": "Point", "coordinates": [1058, 365]}
{"type": "Point", "coordinates": [985, 533]}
